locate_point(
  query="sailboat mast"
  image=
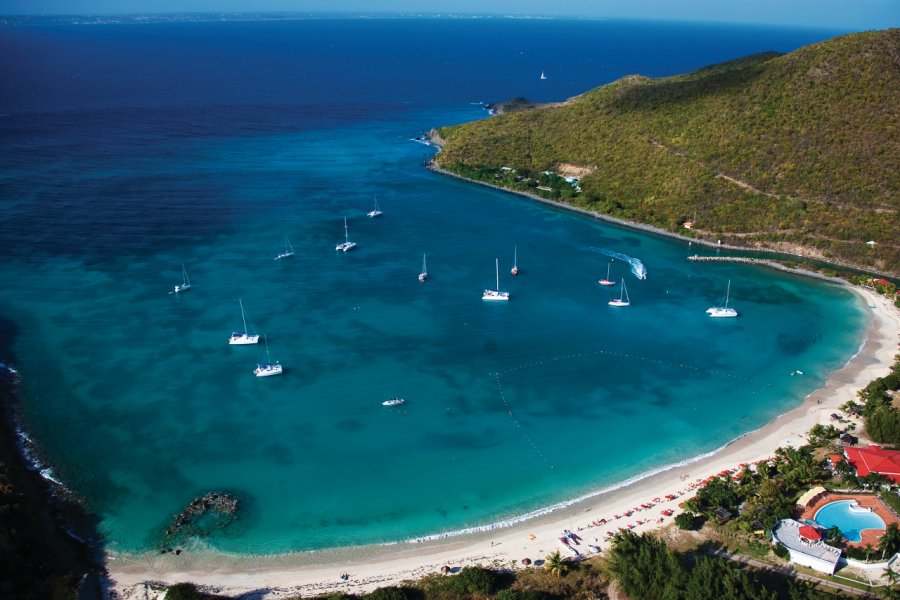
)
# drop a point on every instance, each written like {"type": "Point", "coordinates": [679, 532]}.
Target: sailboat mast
{"type": "Point", "coordinates": [346, 235]}
{"type": "Point", "coordinates": [243, 318]}
{"type": "Point", "coordinates": [727, 293]}
{"type": "Point", "coordinates": [497, 265]}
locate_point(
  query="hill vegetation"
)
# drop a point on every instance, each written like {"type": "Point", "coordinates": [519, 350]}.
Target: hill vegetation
{"type": "Point", "coordinates": [797, 152]}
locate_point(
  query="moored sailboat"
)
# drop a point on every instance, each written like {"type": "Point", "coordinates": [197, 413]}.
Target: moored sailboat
{"type": "Point", "coordinates": [424, 274]}
{"type": "Point", "coordinates": [268, 368]}
{"type": "Point", "coordinates": [607, 281]}
{"type": "Point", "coordinates": [495, 294]}
{"type": "Point", "coordinates": [346, 244]}
{"type": "Point", "coordinates": [288, 249]}
{"type": "Point", "coordinates": [723, 311]}
{"type": "Point", "coordinates": [515, 267]}
{"type": "Point", "coordinates": [185, 283]}
{"type": "Point", "coordinates": [242, 338]}
{"type": "Point", "coordinates": [376, 212]}
{"type": "Point", "coordinates": [623, 299]}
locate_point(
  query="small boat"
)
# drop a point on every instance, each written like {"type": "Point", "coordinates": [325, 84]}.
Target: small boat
{"type": "Point", "coordinates": [723, 311]}
{"type": "Point", "coordinates": [185, 283]}
{"type": "Point", "coordinates": [346, 244]}
{"type": "Point", "coordinates": [515, 267]}
{"type": "Point", "coordinates": [623, 299]}
{"type": "Point", "coordinates": [424, 274]}
{"type": "Point", "coordinates": [395, 401]}
{"type": "Point", "coordinates": [377, 212]}
{"type": "Point", "coordinates": [543, 76]}
{"type": "Point", "coordinates": [495, 294]}
{"type": "Point", "coordinates": [268, 368]}
{"type": "Point", "coordinates": [288, 249]}
{"type": "Point", "coordinates": [607, 280]}
{"type": "Point", "coordinates": [242, 338]}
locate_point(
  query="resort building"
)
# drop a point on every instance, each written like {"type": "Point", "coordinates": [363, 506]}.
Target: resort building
{"type": "Point", "coordinates": [874, 459]}
{"type": "Point", "coordinates": [805, 545]}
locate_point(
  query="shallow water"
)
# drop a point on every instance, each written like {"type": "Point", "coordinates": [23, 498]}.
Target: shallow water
{"type": "Point", "coordinates": [139, 402]}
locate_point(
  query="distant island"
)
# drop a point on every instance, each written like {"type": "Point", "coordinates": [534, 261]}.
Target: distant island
{"type": "Point", "coordinates": [798, 153]}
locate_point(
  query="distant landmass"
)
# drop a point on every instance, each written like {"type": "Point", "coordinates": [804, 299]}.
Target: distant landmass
{"type": "Point", "coordinates": [797, 152]}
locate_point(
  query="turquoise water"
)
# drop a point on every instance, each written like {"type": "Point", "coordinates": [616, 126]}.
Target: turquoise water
{"type": "Point", "coordinates": [140, 404]}
{"type": "Point", "coordinates": [851, 522]}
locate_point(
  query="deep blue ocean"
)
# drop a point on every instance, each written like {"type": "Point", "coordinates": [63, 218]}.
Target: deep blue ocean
{"type": "Point", "coordinates": [130, 150]}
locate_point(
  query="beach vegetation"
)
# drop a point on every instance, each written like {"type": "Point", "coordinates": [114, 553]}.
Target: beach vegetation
{"type": "Point", "coordinates": [882, 418]}
{"type": "Point", "coordinates": [395, 593]}
{"type": "Point", "coordinates": [686, 520]}
{"type": "Point", "coordinates": [188, 591]}
{"type": "Point", "coordinates": [556, 564]}
{"type": "Point", "coordinates": [791, 152]}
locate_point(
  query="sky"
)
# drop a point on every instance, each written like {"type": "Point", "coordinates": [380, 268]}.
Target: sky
{"type": "Point", "coordinates": [849, 15]}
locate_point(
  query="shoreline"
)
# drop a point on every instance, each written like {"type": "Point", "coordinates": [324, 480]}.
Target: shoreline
{"type": "Point", "coordinates": [431, 166]}
{"type": "Point", "coordinates": [636, 503]}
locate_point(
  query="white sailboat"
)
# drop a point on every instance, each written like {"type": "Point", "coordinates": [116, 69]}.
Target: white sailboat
{"type": "Point", "coordinates": [269, 368]}
{"type": "Point", "coordinates": [395, 401]}
{"type": "Point", "coordinates": [377, 212]}
{"type": "Point", "coordinates": [242, 338]}
{"type": "Point", "coordinates": [723, 311]}
{"type": "Point", "coordinates": [424, 274]}
{"type": "Point", "coordinates": [288, 249]}
{"type": "Point", "coordinates": [185, 283]}
{"type": "Point", "coordinates": [607, 280]}
{"type": "Point", "coordinates": [495, 294]}
{"type": "Point", "coordinates": [623, 299]}
{"type": "Point", "coordinates": [543, 76]}
{"type": "Point", "coordinates": [515, 267]}
{"type": "Point", "coordinates": [346, 244]}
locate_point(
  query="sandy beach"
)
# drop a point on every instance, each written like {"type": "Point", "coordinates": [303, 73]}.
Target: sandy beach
{"type": "Point", "coordinates": [637, 506]}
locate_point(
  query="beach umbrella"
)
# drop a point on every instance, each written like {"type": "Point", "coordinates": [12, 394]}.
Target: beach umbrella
{"type": "Point", "coordinates": [445, 569]}
{"type": "Point", "coordinates": [526, 561]}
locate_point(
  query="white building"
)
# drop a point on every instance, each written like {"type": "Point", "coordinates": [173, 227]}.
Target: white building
{"type": "Point", "coordinates": [805, 545]}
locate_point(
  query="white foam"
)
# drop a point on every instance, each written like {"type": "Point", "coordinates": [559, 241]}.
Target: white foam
{"type": "Point", "coordinates": [637, 267]}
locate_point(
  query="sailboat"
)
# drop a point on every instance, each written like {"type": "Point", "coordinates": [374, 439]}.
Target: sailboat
{"type": "Point", "coordinates": [424, 274]}
{"type": "Point", "coordinates": [268, 368]}
{"type": "Point", "coordinates": [346, 244]}
{"type": "Point", "coordinates": [623, 299]}
{"type": "Point", "coordinates": [495, 294]}
{"type": "Point", "coordinates": [543, 76]}
{"type": "Point", "coordinates": [723, 311]}
{"type": "Point", "coordinates": [185, 283]}
{"type": "Point", "coordinates": [515, 268]}
{"type": "Point", "coordinates": [377, 212]}
{"type": "Point", "coordinates": [242, 338]}
{"type": "Point", "coordinates": [607, 280]}
{"type": "Point", "coordinates": [288, 249]}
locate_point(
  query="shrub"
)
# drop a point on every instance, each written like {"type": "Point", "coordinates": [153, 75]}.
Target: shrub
{"type": "Point", "coordinates": [686, 520]}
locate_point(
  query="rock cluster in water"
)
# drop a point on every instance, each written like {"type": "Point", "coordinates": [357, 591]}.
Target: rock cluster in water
{"type": "Point", "coordinates": [217, 504]}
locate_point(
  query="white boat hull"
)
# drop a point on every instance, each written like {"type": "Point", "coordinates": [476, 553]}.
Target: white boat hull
{"type": "Point", "coordinates": [721, 313]}
{"type": "Point", "coordinates": [494, 295]}
{"type": "Point", "coordinates": [284, 255]}
{"type": "Point", "coordinates": [345, 246]}
{"type": "Point", "coordinates": [242, 339]}
{"type": "Point", "coordinates": [267, 370]}
{"type": "Point", "coordinates": [619, 303]}
{"type": "Point", "coordinates": [393, 402]}
{"type": "Point", "coordinates": [374, 213]}
{"type": "Point", "coordinates": [423, 277]}
{"type": "Point", "coordinates": [606, 282]}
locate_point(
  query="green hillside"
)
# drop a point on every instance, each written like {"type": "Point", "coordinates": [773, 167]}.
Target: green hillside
{"type": "Point", "coordinates": [797, 152]}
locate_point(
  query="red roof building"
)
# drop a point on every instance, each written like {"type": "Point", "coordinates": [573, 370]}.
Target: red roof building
{"type": "Point", "coordinates": [874, 459]}
{"type": "Point", "coordinates": [809, 532]}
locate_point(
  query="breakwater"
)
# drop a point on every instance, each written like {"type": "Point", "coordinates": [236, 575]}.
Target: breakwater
{"type": "Point", "coordinates": [766, 263]}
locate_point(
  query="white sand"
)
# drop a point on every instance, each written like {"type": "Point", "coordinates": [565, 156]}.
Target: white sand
{"type": "Point", "coordinates": [377, 566]}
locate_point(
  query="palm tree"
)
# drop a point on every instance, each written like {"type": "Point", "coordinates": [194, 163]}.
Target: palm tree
{"type": "Point", "coordinates": [891, 591]}
{"type": "Point", "coordinates": [890, 540]}
{"type": "Point", "coordinates": [556, 564]}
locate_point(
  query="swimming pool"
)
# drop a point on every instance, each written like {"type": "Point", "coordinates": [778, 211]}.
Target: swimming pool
{"type": "Point", "coordinates": [850, 518]}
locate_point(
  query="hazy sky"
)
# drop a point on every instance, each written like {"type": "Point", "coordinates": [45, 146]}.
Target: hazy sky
{"type": "Point", "coordinates": [840, 14]}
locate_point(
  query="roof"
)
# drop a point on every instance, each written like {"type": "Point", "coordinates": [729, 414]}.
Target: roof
{"type": "Point", "coordinates": [874, 459]}
{"type": "Point", "coordinates": [809, 532]}
{"type": "Point", "coordinates": [787, 532]}
{"type": "Point", "coordinates": [810, 495]}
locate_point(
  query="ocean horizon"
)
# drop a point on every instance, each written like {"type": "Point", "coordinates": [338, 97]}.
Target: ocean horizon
{"type": "Point", "coordinates": [136, 149]}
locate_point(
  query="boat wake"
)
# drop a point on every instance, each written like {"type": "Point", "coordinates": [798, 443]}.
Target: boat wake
{"type": "Point", "coordinates": [637, 267]}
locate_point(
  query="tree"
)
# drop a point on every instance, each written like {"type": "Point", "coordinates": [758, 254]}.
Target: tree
{"type": "Point", "coordinates": [556, 564]}
{"type": "Point", "coordinates": [834, 534]}
{"type": "Point", "coordinates": [890, 540]}
{"type": "Point", "coordinates": [645, 567]}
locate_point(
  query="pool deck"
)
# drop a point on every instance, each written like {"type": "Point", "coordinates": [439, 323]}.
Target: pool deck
{"type": "Point", "coordinates": [869, 536]}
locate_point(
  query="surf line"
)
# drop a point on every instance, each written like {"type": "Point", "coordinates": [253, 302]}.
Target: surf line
{"type": "Point", "coordinates": [518, 425]}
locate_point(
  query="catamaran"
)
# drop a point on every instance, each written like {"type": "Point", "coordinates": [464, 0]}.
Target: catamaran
{"type": "Point", "coordinates": [185, 283]}
{"type": "Point", "coordinates": [623, 299]}
{"type": "Point", "coordinates": [424, 274]}
{"type": "Point", "coordinates": [242, 338]}
{"type": "Point", "coordinates": [607, 280]}
{"type": "Point", "coordinates": [346, 244]}
{"type": "Point", "coordinates": [288, 249]}
{"type": "Point", "coordinates": [377, 212]}
{"type": "Point", "coordinates": [268, 368]}
{"type": "Point", "coordinates": [515, 267]}
{"type": "Point", "coordinates": [495, 294]}
{"type": "Point", "coordinates": [723, 311]}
